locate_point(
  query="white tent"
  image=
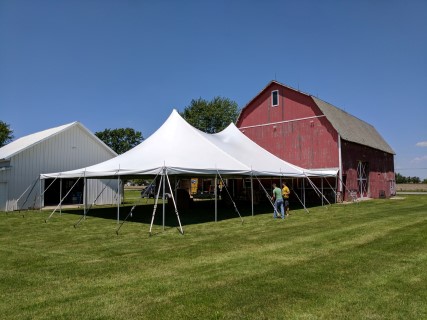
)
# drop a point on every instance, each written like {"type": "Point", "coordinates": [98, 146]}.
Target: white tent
{"type": "Point", "coordinates": [261, 162]}
{"type": "Point", "coordinates": [180, 148]}
{"type": "Point", "coordinates": [177, 148]}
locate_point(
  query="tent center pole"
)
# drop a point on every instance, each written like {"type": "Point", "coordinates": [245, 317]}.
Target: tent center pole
{"type": "Point", "coordinates": [163, 197]}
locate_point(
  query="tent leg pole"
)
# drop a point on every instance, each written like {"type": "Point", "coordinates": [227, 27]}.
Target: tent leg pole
{"type": "Point", "coordinates": [85, 198]}
{"type": "Point", "coordinates": [266, 193]}
{"type": "Point", "coordinates": [316, 189]}
{"type": "Point", "coordinates": [40, 208]}
{"type": "Point", "coordinates": [175, 188]}
{"type": "Point", "coordinates": [306, 210]}
{"type": "Point", "coordinates": [129, 215]}
{"type": "Point", "coordinates": [303, 188]}
{"type": "Point", "coordinates": [321, 185]}
{"type": "Point", "coordinates": [118, 199]}
{"type": "Point", "coordinates": [174, 203]}
{"type": "Point", "coordinates": [60, 203]}
{"type": "Point", "coordinates": [252, 194]}
{"type": "Point", "coordinates": [234, 204]}
{"type": "Point", "coordinates": [60, 196]}
{"type": "Point", "coordinates": [155, 205]}
{"type": "Point", "coordinates": [216, 198]}
{"type": "Point", "coordinates": [336, 189]}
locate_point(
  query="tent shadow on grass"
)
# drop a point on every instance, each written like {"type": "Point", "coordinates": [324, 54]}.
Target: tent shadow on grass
{"type": "Point", "coordinates": [198, 212]}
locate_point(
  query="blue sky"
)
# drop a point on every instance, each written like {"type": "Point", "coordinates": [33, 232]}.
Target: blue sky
{"type": "Point", "coordinates": [114, 64]}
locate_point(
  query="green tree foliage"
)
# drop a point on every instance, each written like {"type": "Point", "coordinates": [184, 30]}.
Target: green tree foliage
{"type": "Point", "coordinates": [403, 179]}
{"type": "Point", "coordinates": [6, 134]}
{"type": "Point", "coordinates": [211, 116]}
{"type": "Point", "coordinates": [120, 140]}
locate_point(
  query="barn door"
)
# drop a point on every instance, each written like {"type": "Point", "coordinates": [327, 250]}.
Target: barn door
{"type": "Point", "coordinates": [392, 187]}
{"type": "Point", "coordinates": [362, 178]}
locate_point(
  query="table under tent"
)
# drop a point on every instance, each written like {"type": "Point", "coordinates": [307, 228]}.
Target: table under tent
{"type": "Point", "coordinates": [178, 149]}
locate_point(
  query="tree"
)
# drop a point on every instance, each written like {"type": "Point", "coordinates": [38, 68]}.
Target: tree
{"type": "Point", "coordinates": [400, 178]}
{"type": "Point", "coordinates": [211, 116]}
{"type": "Point", "coordinates": [403, 179]}
{"type": "Point", "coordinates": [6, 134]}
{"type": "Point", "coordinates": [120, 140]}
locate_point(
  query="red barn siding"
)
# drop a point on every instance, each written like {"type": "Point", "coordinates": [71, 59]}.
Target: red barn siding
{"type": "Point", "coordinates": [295, 130]}
{"type": "Point", "coordinates": [380, 169]}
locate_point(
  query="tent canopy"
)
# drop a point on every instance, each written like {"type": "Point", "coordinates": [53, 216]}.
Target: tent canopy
{"type": "Point", "coordinates": [182, 149]}
{"type": "Point", "coordinates": [261, 161]}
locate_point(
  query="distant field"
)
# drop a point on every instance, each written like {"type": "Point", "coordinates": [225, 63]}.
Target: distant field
{"type": "Point", "coordinates": [412, 187]}
{"type": "Point", "coordinates": [364, 260]}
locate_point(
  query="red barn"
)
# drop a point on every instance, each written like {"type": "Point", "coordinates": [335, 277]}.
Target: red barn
{"type": "Point", "coordinates": [313, 134]}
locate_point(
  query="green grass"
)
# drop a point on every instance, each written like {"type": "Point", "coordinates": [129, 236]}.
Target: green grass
{"type": "Point", "coordinates": [366, 260]}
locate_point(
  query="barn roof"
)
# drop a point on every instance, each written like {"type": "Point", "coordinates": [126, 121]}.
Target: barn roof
{"type": "Point", "coordinates": [351, 128]}
{"type": "Point", "coordinates": [21, 144]}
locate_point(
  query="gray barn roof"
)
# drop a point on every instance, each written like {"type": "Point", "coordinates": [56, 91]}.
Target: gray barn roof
{"type": "Point", "coordinates": [351, 128]}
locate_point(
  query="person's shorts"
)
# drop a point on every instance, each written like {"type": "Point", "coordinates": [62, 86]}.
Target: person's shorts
{"type": "Point", "coordinates": [286, 203]}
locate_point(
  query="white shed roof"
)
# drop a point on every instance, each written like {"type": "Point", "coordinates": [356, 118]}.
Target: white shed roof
{"type": "Point", "coordinates": [21, 144]}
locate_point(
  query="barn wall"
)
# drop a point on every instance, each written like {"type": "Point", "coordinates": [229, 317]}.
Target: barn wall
{"type": "Point", "coordinates": [298, 132]}
{"type": "Point", "coordinates": [380, 169]}
{"type": "Point", "coordinates": [68, 150]}
{"type": "Point", "coordinates": [295, 130]}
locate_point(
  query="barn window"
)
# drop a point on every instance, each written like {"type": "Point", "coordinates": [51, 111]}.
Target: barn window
{"type": "Point", "coordinates": [274, 98]}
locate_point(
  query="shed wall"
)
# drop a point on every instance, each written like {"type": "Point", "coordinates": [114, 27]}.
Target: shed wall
{"type": "Point", "coordinates": [67, 150]}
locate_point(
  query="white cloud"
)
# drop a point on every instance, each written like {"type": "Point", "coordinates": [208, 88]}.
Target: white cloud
{"type": "Point", "coordinates": [422, 144]}
{"type": "Point", "coordinates": [419, 159]}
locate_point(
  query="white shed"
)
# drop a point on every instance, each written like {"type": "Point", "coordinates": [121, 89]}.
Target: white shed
{"type": "Point", "coordinates": [66, 147]}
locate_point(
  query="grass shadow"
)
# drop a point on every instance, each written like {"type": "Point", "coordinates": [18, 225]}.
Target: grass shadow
{"type": "Point", "coordinates": [198, 212]}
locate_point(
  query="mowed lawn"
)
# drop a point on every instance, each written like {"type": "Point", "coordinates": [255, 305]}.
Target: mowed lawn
{"type": "Point", "coordinates": [366, 260]}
